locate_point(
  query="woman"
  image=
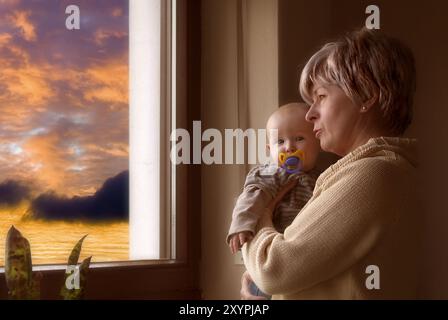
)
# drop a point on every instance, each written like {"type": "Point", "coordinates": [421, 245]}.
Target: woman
{"type": "Point", "coordinates": [356, 238]}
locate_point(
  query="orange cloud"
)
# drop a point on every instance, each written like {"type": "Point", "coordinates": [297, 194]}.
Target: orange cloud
{"type": "Point", "coordinates": [114, 149]}
{"type": "Point", "coordinates": [25, 87]}
{"type": "Point", "coordinates": [5, 38]}
{"type": "Point", "coordinates": [44, 150]}
{"type": "Point", "coordinates": [102, 35]}
{"type": "Point", "coordinates": [9, 2]}
{"type": "Point", "coordinates": [109, 83]}
{"type": "Point", "coordinates": [117, 12]}
{"type": "Point", "coordinates": [20, 19]}
{"type": "Point", "coordinates": [19, 55]}
{"type": "Point", "coordinates": [29, 89]}
{"type": "Point", "coordinates": [52, 164]}
{"type": "Point", "coordinates": [30, 83]}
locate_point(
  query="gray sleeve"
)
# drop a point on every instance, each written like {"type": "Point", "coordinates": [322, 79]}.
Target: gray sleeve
{"type": "Point", "coordinates": [249, 206]}
{"type": "Point", "coordinates": [265, 177]}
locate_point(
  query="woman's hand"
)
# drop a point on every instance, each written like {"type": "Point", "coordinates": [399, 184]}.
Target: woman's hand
{"type": "Point", "coordinates": [245, 291]}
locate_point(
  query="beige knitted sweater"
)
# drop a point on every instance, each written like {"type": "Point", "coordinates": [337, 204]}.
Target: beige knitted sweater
{"type": "Point", "coordinates": [363, 212]}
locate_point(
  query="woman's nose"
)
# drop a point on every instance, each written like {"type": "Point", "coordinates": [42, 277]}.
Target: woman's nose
{"type": "Point", "coordinates": [311, 115]}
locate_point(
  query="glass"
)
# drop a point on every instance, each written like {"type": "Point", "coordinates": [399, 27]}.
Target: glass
{"type": "Point", "coordinates": [64, 133]}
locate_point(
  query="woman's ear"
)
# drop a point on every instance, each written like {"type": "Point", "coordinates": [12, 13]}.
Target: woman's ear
{"type": "Point", "coordinates": [369, 103]}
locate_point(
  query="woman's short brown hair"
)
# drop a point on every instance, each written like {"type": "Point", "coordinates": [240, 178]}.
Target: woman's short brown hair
{"type": "Point", "coordinates": [367, 64]}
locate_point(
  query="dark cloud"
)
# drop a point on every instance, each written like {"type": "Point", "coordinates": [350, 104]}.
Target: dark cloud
{"type": "Point", "coordinates": [12, 192]}
{"type": "Point", "coordinates": [110, 202]}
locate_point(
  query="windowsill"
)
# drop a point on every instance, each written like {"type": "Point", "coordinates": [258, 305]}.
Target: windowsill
{"type": "Point", "coordinates": [163, 263]}
{"type": "Point", "coordinates": [144, 279]}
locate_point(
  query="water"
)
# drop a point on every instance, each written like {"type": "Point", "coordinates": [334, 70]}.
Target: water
{"type": "Point", "coordinates": [51, 242]}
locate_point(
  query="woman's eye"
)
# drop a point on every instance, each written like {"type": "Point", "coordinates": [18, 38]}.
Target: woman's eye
{"type": "Point", "coordinates": [318, 97]}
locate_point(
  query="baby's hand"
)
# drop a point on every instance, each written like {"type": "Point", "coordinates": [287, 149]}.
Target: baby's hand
{"type": "Point", "coordinates": [238, 239]}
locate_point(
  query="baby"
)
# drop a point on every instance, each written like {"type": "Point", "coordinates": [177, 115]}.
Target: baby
{"type": "Point", "coordinates": [294, 137]}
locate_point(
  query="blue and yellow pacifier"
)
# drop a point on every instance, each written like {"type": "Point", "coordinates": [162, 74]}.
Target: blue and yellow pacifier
{"type": "Point", "coordinates": [291, 162]}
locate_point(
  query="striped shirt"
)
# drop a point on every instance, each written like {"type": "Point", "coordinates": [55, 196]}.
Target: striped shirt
{"type": "Point", "coordinates": [262, 184]}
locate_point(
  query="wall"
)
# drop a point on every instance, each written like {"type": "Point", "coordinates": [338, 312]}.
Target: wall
{"type": "Point", "coordinates": [232, 99]}
{"type": "Point", "coordinates": [219, 100]}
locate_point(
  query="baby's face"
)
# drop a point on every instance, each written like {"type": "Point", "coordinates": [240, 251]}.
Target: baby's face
{"type": "Point", "coordinates": [294, 133]}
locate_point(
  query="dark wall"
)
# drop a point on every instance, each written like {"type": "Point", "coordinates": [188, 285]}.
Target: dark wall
{"type": "Point", "coordinates": [305, 25]}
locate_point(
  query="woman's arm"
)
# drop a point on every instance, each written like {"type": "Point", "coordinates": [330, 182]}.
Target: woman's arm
{"type": "Point", "coordinates": [333, 231]}
{"type": "Point", "coordinates": [267, 217]}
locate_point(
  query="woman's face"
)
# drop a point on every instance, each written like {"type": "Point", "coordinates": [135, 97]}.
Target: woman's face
{"type": "Point", "coordinates": [336, 119]}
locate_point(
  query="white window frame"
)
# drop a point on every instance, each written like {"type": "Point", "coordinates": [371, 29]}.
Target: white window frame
{"type": "Point", "coordinates": [152, 115]}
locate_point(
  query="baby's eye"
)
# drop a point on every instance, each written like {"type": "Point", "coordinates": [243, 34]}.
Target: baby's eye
{"type": "Point", "coordinates": [321, 96]}
{"type": "Point", "coordinates": [298, 139]}
{"type": "Point", "coordinates": [280, 141]}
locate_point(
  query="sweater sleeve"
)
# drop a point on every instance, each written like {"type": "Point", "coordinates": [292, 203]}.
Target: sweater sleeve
{"type": "Point", "coordinates": [342, 222]}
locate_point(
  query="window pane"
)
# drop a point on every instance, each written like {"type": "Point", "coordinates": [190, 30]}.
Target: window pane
{"type": "Point", "coordinates": [64, 134]}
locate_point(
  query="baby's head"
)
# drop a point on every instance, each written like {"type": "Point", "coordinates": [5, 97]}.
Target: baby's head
{"type": "Point", "coordinates": [294, 132]}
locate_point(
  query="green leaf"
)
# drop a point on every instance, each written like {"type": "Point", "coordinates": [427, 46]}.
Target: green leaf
{"type": "Point", "coordinates": [19, 267]}
{"type": "Point", "coordinates": [76, 293]}
{"type": "Point", "coordinates": [74, 256]}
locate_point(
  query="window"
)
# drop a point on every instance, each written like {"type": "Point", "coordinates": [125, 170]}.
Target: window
{"type": "Point", "coordinates": [64, 96]}
{"type": "Point", "coordinates": [170, 238]}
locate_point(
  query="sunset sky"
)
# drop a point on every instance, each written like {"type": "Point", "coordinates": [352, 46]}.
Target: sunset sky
{"type": "Point", "coordinates": [63, 95]}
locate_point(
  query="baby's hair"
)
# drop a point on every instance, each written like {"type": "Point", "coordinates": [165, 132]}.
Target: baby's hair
{"type": "Point", "coordinates": [286, 107]}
